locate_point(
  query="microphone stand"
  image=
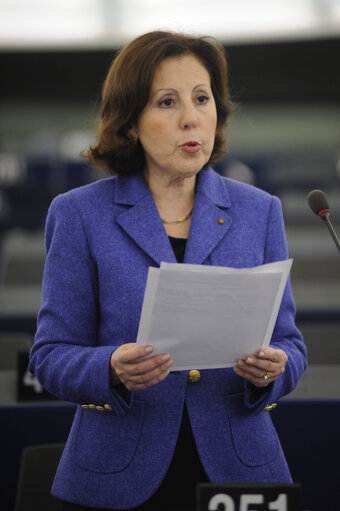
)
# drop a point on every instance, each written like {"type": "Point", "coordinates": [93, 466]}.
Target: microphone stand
{"type": "Point", "coordinates": [325, 218]}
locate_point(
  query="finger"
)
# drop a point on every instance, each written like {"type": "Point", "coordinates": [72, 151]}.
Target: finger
{"type": "Point", "coordinates": [273, 360]}
{"type": "Point", "coordinates": [148, 369]}
{"type": "Point", "coordinates": [259, 364]}
{"type": "Point", "coordinates": [145, 371]}
{"type": "Point", "coordinates": [257, 381]}
{"type": "Point", "coordinates": [153, 364]}
{"type": "Point", "coordinates": [272, 354]}
{"type": "Point", "coordinates": [142, 367]}
{"type": "Point", "coordinates": [131, 352]}
{"type": "Point", "coordinates": [260, 367]}
{"type": "Point", "coordinates": [253, 371]}
{"type": "Point", "coordinates": [145, 382]}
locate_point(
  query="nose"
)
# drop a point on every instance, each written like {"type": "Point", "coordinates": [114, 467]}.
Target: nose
{"type": "Point", "coordinates": [188, 116]}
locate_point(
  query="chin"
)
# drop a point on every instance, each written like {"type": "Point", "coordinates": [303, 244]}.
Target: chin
{"type": "Point", "coordinates": [190, 172]}
{"type": "Point", "coordinates": [194, 169]}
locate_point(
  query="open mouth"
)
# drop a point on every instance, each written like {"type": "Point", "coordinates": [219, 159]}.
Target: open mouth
{"type": "Point", "coordinates": [191, 147]}
{"type": "Point", "coordinates": [191, 143]}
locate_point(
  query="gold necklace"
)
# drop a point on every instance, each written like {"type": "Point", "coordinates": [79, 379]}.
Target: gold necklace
{"type": "Point", "coordinates": [179, 220]}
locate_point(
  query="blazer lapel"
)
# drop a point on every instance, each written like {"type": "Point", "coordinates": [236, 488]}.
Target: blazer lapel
{"type": "Point", "coordinates": [210, 220]}
{"type": "Point", "coordinates": [142, 221]}
{"type": "Point", "coordinates": [209, 224]}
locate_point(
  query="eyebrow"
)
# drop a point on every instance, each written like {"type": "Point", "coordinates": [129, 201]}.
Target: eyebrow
{"type": "Point", "coordinates": [168, 89]}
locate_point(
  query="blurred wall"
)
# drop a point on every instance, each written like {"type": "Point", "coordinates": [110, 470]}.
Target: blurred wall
{"type": "Point", "coordinates": [284, 137]}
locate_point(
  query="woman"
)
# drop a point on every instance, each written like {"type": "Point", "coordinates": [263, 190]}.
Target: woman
{"type": "Point", "coordinates": [143, 437]}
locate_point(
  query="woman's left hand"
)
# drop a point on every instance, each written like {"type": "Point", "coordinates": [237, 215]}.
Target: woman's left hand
{"type": "Point", "coordinates": [263, 367]}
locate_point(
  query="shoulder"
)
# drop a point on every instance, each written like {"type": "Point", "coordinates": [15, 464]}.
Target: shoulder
{"type": "Point", "coordinates": [245, 192]}
{"type": "Point", "coordinates": [235, 194]}
{"type": "Point", "coordinates": [85, 198]}
{"type": "Point", "coordinates": [96, 191]}
{"type": "Point", "coordinates": [253, 200]}
{"type": "Point", "coordinates": [80, 212]}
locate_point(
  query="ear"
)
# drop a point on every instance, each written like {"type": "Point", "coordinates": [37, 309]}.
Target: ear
{"type": "Point", "coordinates": [133, 132]}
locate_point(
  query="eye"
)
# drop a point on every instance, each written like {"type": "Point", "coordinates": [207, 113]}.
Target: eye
{"type": "Point", "coordinates": [166, 103]}
{"type": "Point", "coordinates": [203, 98]}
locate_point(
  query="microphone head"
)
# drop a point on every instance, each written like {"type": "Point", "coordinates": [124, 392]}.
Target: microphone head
{"type": "Point", "coordinates": [318, 202]}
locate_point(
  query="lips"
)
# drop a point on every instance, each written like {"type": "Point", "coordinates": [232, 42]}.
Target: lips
{"type": "Point", "coordinates": [192, 146]}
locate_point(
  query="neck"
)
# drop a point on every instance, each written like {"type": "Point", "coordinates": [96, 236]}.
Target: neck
{"type": "Point", "coordinates": [174, 194]}
{"type": "Point", "coordinates": [174, 199]}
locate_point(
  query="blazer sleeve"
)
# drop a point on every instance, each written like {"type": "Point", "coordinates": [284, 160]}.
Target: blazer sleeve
{"type": "Point", "coordinates": [285, 336]}
{"type": "Point", "coordinates": [65, 357]}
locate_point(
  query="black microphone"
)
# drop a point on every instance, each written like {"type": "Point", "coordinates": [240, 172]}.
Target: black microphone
{"type": "Point", "coordinates": [318, 203]}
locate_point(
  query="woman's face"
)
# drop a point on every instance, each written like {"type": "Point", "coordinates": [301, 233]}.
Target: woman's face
{"type": "Point", "coordinates": [177, 127]}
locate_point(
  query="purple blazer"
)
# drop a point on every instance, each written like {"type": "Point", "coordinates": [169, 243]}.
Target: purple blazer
{"type": "Point", "coordinates": [101, 239]}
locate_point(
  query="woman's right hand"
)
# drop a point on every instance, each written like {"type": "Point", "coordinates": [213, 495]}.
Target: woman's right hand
{"type": "Point", "coordinates": [136, 374]}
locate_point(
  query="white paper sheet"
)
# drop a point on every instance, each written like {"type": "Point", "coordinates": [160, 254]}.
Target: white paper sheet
{"type": "Point", "coordinates": [210, 316]}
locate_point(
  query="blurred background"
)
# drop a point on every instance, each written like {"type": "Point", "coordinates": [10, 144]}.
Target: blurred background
{"type": "Point", "coordinates": [284, 137]}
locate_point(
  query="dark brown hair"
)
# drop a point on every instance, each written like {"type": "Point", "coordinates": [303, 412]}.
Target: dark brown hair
{"type": "Point", "coordinates": [126, 92]}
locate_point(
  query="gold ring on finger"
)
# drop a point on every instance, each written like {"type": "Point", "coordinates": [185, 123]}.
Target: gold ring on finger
{"type": "Point", "coordinates": [266, 375]}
